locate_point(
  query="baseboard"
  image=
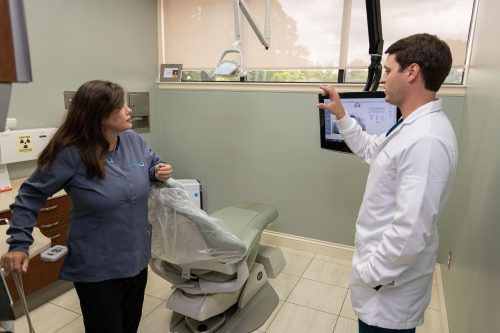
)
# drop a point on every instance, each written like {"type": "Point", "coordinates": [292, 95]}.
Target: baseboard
{"type": "Point", "coordinates": [308, 244]}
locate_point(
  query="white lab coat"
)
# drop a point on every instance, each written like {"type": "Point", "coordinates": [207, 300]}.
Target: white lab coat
{"type": "Point", "coordinates": [411, 172]}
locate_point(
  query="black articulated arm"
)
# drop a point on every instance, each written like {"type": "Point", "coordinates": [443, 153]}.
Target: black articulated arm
{"type": "Point", "coordinates": [374, 21]}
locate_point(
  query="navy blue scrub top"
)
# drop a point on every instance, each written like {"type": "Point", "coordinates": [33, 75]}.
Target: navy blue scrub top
{"type": "Point", "coordinates": [109, 234]}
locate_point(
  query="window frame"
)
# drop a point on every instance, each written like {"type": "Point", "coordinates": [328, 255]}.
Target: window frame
{"type": "Point", "coordinates": [305, 87]}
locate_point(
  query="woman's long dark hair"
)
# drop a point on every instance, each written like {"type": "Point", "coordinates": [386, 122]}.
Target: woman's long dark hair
{"type": "Point", "coordinates": [93, 102]}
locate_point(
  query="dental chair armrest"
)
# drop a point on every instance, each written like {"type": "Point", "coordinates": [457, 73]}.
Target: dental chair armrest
{"type": "Point", "coordinates": [209, 287]}
{"type": "Point", "coordinates": [227, 269]}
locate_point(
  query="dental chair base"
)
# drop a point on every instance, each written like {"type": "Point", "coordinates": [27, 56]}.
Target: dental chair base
{"type": "Point", "coordinates": [235, 319]}
{"type": "Point", "coordinates": [240, 311]}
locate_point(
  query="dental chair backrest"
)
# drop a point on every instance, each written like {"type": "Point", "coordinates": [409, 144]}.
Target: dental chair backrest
{"type": "Point", "coordinates": [184, 234]}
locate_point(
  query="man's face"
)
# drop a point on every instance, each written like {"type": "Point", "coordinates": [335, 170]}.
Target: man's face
{"type": "Point", "coordinates": [394, 81]}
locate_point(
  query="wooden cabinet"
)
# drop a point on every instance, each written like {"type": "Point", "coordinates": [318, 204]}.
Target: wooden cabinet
{"type": "Point", "coordinates": [53, 221]}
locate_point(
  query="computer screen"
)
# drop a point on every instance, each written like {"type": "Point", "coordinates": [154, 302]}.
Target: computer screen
{"type": "Point", "coordinates": [369, 109]}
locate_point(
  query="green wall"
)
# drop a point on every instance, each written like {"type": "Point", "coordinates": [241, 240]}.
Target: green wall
{"type": "Point", "coordinates": [471, 228]}
{"type": "Point", "coordinates": [75, 41]}
{"type": "Point", "coordinates": [265, 147]}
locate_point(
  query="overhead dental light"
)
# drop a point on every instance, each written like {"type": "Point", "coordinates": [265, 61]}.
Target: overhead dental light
{"type": "Point", "coordinates": [230, 68]}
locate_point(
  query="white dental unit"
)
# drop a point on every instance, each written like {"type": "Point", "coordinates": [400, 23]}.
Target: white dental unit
{"type": "Point", "coordinates": [20, 146]}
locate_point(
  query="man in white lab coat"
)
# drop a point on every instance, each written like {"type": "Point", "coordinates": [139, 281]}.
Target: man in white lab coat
{"type": "Point", "coordinates": [411, 172]}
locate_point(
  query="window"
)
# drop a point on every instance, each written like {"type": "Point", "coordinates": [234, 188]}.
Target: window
{"type": "Point", "coordinates": [310, 40]}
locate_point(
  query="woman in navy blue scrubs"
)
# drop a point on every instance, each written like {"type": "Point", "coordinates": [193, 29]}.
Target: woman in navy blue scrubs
{"type": "Point", "coordinates": [106, 170]}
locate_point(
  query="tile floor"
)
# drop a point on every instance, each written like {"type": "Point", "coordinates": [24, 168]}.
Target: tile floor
{"type": "Point", "coordinates": [313, 290]}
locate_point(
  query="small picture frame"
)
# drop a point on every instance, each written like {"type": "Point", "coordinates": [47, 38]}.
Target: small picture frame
{"type": "Point", "coordinates": [170, 72]}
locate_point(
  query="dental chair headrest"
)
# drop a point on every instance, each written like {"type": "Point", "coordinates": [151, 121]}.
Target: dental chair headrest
{"type": "Point", "coordinates": [183, 233]}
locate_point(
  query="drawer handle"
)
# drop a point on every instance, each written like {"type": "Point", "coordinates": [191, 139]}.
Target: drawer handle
{"type": "Point", "coordinates": [46, 226]}
{"type": "Point", "coordinates": [54, 237]}
{"type": "Point", "coordinates": [48, 208]}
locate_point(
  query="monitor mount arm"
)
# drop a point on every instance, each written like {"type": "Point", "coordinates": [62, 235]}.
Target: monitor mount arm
{"type": "Point", "coordinates": [374, 21]}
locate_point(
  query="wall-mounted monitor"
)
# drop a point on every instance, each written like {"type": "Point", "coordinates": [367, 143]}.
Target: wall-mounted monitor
{"type": "Point", "coordinates": [369, 109]}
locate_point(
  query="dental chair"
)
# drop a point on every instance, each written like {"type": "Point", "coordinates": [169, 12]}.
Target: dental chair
{"type": "Point", "coordinates": [215, 263]}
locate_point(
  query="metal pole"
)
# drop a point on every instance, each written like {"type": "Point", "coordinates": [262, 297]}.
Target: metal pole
{"type": "Point", "coordinates": [246, 12]}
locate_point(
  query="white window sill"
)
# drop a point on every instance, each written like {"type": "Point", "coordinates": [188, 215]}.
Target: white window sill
{"type": "Point", "coordinates": [446, 90]}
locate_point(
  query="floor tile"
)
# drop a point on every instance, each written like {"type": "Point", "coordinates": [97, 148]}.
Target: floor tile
{"type": "Point", "coordinates": [345, 325]}
{"type": "Point", "coordinates": [434, 304]}
{"type": "Point", "coordinates": [76, 326]}
{"type": "Point", "coordinates": [295, 264]}
{"type": "Point", "coordinates": [157, 321]}
{"type": "Point", "coordinates": [150, 304]}
{"type": "Point", "coordinates": [298, 319]}
{"type": "Point", "coordinates": [46, 318]}
{"type": "Point", "coordinates": [347, 311]}
{"type": "Point", "coordinates": [312, 291]}
{"type": "Point", "coordinates": [334, 260]}
{"type": "Point", "coordinates": [157, 286]}
{"type": "Point", "coordinates": [432, 322]}
{"type": "Point", "coordinates": [269, 320]}
{"type": "Point", "coordinates": [69, 300]}
{"type": "Point", "coordinates": [318, 295]}
{"type": "Point", "coordinates": [284, 285]}
{"type": "Point", "coordinates": [328, 272]}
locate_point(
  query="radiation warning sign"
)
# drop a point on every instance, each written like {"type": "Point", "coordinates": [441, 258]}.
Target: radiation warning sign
{"type": "Point", "coordinates": [25, 143]}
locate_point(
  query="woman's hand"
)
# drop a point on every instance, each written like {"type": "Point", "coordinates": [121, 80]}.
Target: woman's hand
{"type": "Point", "coordinates": [15, 261]}
{"type": "Point", "coordinates": [163, 171]}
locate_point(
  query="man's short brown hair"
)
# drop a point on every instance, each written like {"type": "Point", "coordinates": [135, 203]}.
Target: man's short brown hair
{"type": "Point", "coordinates": [429, 52]}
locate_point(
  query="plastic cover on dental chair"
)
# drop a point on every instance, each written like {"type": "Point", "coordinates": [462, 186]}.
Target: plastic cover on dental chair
{"type": "Point", "coordinates": [183, 233]}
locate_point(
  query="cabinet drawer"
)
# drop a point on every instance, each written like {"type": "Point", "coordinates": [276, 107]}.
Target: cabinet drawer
{"type": "Point", "coordinates": [53, 222]}
{"type": "Point", "coordinates": [54, 207]}
{"type": "Point", "coordinates": [58, 236]}
{"type": "Point", "coordinates": [5, 215]}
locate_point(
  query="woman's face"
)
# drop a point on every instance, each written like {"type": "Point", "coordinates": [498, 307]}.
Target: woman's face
{"type": "Point", "coordinates": [118, 121]}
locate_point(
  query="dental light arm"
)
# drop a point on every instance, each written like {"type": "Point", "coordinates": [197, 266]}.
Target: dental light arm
{"type": "Point", "coordinates": [264, 38]}
{"type": "Point", "coordinates": [229, 68]}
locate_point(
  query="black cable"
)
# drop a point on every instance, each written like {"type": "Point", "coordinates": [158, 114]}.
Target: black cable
{"type": "Point", "coordinates": [374, 21]}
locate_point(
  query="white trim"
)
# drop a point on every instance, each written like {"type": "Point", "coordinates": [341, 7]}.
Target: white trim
{"type": "Point", "coordinates": [307, 244]}
{"type": "Point", "coordinates": [470, 41]}
{"type": "Point", "coordinates": [307, 88]}
{"type": "Point", "coordinates": [161, 34]}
